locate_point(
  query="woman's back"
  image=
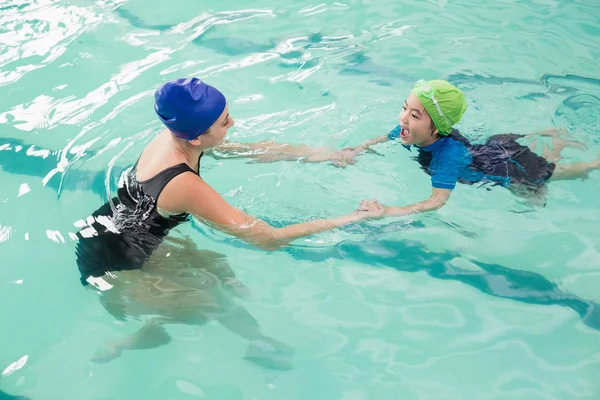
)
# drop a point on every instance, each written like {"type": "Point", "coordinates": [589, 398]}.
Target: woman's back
{"type": "Point", "coordinates": [123, 233]}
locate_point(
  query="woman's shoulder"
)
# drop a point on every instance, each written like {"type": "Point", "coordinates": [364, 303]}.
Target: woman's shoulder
{"type": "Point", "coordinates": [185, 192]}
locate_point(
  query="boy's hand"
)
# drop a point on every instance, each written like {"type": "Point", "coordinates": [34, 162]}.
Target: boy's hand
{"type": "Point", "coordinates": [366, 146]}
{"type": "Point", "coordinates": [343, 158]}
{"type": "Point", "coordinates": [339, 158]}
{"type": "Point", "coordinates": [363, 147]}
{"type": "Point", "coordinates": [371, 209]}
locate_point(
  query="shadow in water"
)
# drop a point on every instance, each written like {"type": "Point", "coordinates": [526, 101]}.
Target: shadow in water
{"type": "Point", "coordinates": [6, 396]}
{"type": "Point", "coordinates": [21, 158]}
{"type": "Point", "coordinates": [411, 256]}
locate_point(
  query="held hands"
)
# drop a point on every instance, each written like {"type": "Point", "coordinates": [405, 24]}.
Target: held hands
{"type": "Point", "coordinates": [370, 209]}
{"type": "Point", "coordinates": [366, 146]}
{"type": "Point", "coordinates": [339, 158]}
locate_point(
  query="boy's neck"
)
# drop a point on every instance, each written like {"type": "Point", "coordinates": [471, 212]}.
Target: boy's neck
{"type": "Point", "coordinates": [429, 142]}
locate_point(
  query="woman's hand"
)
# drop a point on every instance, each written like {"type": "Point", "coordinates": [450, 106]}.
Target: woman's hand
{"type": "Point", "coordinates": [370, 209]}
{"type": "Point", "coordinates": [339, 158]}
{"type": "Point", "coordinates": [366, 146]}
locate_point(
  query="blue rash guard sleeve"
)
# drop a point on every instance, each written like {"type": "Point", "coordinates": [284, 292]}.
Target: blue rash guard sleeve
{"type": "Point", "coordinates": [448, 165]}
{"type": "Point", "coordinates": [395, 133]}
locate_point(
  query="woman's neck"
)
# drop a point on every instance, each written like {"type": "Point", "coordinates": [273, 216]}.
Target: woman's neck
{"type": "Point", "coordinates": [187, 150]}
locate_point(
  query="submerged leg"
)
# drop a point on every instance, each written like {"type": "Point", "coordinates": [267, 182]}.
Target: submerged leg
{"type": "Point", "coordinates": [210, 261]}
{"type": "Point", "coordinates": [577, 170]}
{"type": "Point", "coordinates": [149, 336]}
{"type": "Point", "coordinates": [188, 286]}
{"type": "Point", "coordinates": [559, 143]}
{"type": "Point", "coordinates": [533, 145]}
{"type": "Point", "coordinates": [262, 350]}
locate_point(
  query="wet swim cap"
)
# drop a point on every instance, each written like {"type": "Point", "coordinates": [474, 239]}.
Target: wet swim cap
{"type": "Point", "coordinates": [188, 107]}
{"type": "Point", "coordinates": [444, 103]}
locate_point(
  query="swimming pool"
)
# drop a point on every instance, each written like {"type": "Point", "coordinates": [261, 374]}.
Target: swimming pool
{"type": "Point", "coordinates": [485, 299]}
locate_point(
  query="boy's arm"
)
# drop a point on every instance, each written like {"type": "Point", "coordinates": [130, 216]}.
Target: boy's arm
{"type": "Point", "coordinates": [392, 135]}
{"type": "Point", "coordinates": [438, 198]}
{"type": "Point", "coordinates": [444, 178]}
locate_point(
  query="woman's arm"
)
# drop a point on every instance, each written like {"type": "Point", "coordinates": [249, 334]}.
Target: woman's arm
{"type": "Point", "coordinates": [189, 193]}
{"type": "Point", "coordinates": [270, 151]}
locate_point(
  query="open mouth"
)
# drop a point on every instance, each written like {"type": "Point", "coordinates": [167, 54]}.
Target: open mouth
{"type": "Point", "coordinates": [404, 133]}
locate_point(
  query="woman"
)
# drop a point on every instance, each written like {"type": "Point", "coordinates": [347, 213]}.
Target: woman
{"type": "Point", "coordinates": [121, 249]}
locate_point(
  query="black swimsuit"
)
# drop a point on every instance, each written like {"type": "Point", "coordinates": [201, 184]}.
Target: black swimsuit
{"type": "Point", "coordinates": [123, 233]}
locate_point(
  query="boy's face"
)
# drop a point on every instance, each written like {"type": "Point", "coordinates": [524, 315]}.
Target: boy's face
{"type": "Point", "coordinates": [417, 127]}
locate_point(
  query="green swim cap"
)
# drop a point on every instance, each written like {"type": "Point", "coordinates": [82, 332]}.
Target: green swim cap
{"type": "Point", "coordinates": [444, 103]}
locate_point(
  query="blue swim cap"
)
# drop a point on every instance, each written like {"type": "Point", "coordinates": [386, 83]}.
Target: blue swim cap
{"type": "Point", "coordinates": [188, 106]}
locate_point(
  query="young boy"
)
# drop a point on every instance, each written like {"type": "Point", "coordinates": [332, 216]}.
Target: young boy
{"type": "Point", "coordinates": [426, 125]}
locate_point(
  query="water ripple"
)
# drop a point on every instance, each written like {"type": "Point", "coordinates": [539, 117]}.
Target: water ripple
{"type": "Point", "coordinates": [41, 30]}
{"type": "Point", "coordinates": [374, 310]}
{"type": "Point", "coordinates": [5, 232]}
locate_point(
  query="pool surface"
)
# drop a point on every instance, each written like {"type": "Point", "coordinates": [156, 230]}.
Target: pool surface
{"type": "Point", "coordinates": [487, 298]}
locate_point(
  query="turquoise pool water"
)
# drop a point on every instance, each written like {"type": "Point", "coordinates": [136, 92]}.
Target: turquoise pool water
{"type": "Point", "coordinates": [485, 299]}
